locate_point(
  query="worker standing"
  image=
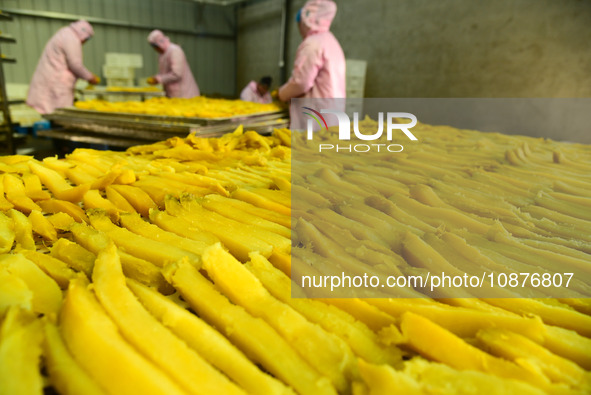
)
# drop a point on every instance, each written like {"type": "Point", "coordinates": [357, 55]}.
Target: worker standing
{"type": "Point", "coordinates": [60, 65]}
{"type": "Point", "coordinates": [174, 72]}
{"type": "Point", "coordinates": [258, 92]}
{"type": "Point", "coordinates": [319, 66]}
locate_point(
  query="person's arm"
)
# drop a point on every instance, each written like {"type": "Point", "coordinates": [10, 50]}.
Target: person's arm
{"type": "Point", "coordinates": [309, 60]}
{"type": "Point", "coordinates": [72, 48]}
{"type": "Point", "coordinates": [177, 64]}
{"type": "Point", "coordinates": [245, 94]}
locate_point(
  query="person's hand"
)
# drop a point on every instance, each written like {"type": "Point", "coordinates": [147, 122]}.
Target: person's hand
{"type": "Point", "coordinates": [282, 100]}
{"type": "Point", "coordinates": [152, 80]}
{"type": "Point", "coordinates": [95, 80]}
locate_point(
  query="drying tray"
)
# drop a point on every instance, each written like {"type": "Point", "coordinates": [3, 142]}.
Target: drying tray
{"type": "Point", "coordinates": [122, 135]}
{"type": "Point", "coordinates": [93, 121]}
{"type": "Point", "coordinates": [102, 91]}
{"type": "Point", "coordinates": [238, 118]}
{"type": "Point", "coordinates": [73, 123]}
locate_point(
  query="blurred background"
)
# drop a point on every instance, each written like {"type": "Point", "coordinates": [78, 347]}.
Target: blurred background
{"type": "Point", "coordinates": [394, 48]}
{"type": "Point", "coordinates": [422, 48]}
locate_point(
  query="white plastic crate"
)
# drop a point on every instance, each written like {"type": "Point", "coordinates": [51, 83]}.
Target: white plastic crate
{"type": "Point", "coordinates": [355, 77]}
{"type": "Point", "coordinates": [352, 107]}
{"type": "Point", "coordinates": [355, 83]}
{"type": "Point", "coordinates": [119, 81]}
{"type": "Point", "coordinates": [16, 91]}
{"type": "Point", "coordinates": [88, 96]}
{"type": "Point", "coordinates": [355, 93]}
{"type": "Point", "coordinates": [110, 71]}
{"type": "Point", "coordinates": [356, 67]}
{"type": "Point", "coordinates": [119, 98]}
{"type": "Point", "coordinates": [124, 59]}
{"type": "Point", "coordinates": [24, 115]}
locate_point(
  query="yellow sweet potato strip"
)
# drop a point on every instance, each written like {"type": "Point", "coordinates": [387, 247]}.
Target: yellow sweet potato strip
{"type": "Point", "coordinates": [324, 351]}
{"type": "Point", "coordinates": [171, 354]}
{"type": "Point", "coordinates": [33, 188]}
{"type": "Point", "coordinates": [23, 230]}
{"type": "Point", "coordinates": [437, 343]}
{"type": "Point", "coordinates": [93, 199]}
{"type": "Point", "coordinates": [157, 252]}
{"type": "Point", "coordinates": [4, 204]}
{"type": "Point", "coordinates": [118, 200]}
{"type": "Point", "coordinates": [553, 315]}
{"type": "Point", "coordinates": [96, 344]}
{"type": "Point", "coordinates": [252, 335]}
{"type": "Point", "coordinates": [421, 376]}
{"type": "Point", "coordinates": [463, 322]}
{"type": "Point", "coordinates": [42, 226]}
{"type": "Point", "coordinates": [260, 201]}
{"type": "Point", "coordinates": [56, 269]}
{"type": "Point", "coordinates": [16, 194]}
{"type": "Point", "coordinates": [208, 342]}
{"type": "Point", "coordinates": [237, 237]}
{"type": "Point", "coordinates": [55, 206]}
{"type": "Point", "coordinates": [7, 234]}
{"type": "Point", "coordinates": [512, 346]}
{"type": "Point", "coordinates": [140, 200]}
{"type": "Point", "coordinates": [358, 336]}
{"type": "Point", "coordinates": [57, 184]}
{"type": "Point", "coordinates": [245, 217]}
{"type": "Point", "coordinates": [182, 227]}
{"type": "Point", "coordinates": [196, 210]}
{"type": "Point", "coordinates": [135, 224]}
{"type": "Point", "coordinates": [139, 269]}
{"type": "Point", "coordinates": [15, 292]}
{"type": "Point", "coordinates": [281, 219]}
{"type": "Point", "coordinates": [20, 353]}
{"type": "Point", "coordinates": [65, 374]}
{"type": "Point", "coordinates": [47, 296]}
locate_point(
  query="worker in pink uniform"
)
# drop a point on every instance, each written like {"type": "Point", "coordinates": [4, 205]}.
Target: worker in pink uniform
{"type": "Point", "coordinates": [319, 67]}
{"type": "Point", "coordinates": [174, 72]}
{"type": "Point", "coordinates": [258, 92]}
{"type": "Point", "coordinates": [60, 65]}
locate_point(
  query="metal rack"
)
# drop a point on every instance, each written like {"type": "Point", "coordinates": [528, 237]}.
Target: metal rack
{"type": "Point", "coordinates": [101, 92]}
{"type": "Point", "coordinates": [127, 129]}
{"type": "Point", "coordinates": [7, 145]}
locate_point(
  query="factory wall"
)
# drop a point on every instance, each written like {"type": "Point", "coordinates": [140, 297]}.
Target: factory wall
{"type": "Point", "coordinates": [259, 42]}
{"type": "Point", "coordinates": [205, 32]}
{"type": "Point", "coordinates": [448, 48]}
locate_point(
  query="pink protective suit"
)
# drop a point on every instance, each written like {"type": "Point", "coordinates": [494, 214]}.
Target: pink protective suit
{"type": "Point", "coordinates": [174, 72]}
{"type": "Point", "coordinates": [319, 67]}
{"type": "Point", "coordinates": [251, 93]}
{"type": "Point", "coordinates": [60, 65]}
